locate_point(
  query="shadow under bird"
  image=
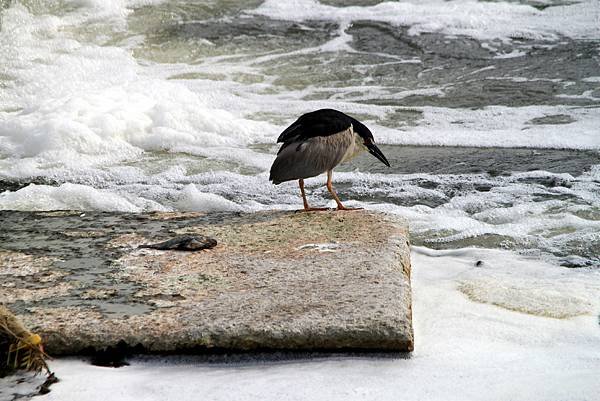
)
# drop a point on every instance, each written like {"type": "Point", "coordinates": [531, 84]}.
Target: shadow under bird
{"type": "Point", "coordinates": [317, 142]}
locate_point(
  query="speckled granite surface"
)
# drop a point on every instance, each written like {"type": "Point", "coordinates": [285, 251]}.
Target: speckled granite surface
{"type": "Point", "coordinates": [276, 280]}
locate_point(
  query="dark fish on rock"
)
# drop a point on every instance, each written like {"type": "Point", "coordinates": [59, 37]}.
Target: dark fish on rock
{"type": "Point", "coordinates": [184, 243]}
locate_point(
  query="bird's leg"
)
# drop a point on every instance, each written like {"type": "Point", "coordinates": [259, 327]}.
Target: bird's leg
{"type": "Point", "coordinates": [306, 207]}
{"type": "Point", "coordinates": [335, 197]}
{"type": "Point", "coordinates": [301, 183]}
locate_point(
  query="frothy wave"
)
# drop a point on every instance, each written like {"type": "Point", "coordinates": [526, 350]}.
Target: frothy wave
{"type": "Point", "coordinates": [480, 20]}
{"type": "Point", "coordinates": [113, 132]}
{"type": "Point", "coordinates": [80, 105]}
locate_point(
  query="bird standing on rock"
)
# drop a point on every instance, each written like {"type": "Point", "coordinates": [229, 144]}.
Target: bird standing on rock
{"type": "Point", "coordinates": [317, 142]}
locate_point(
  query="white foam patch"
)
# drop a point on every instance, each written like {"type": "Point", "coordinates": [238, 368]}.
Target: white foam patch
{"type": "Point", "coordinates": [116, 10]}
{"type": "Point", "coordinates": [20, 385]}
{"type": "Point", "coordinates": [339, 43]}
{"type": "Point", "coordinates": [528, 285]}
{"type": "Point", "coordinates": [498, 126]}
{"type": "Point", "coordinates": [591, 79]}
{"type": "Point", "coordinates": [72, 197]}
{"type": "Point", "coordinates": [463, 349]}
{"type": "Point", "coordinates": [587, 95]}
{"type": "Point", "coordinates": [194, 200]}
{"type": "Point", "coordinates": [78, 105]}
{"type": "Point", "coordinates": [527, 296]}
{"type": "Point", "coordinates": [515, 212]}
{"type": "Point", "coordinates": [523, 284]}
{"type": "Point", "coordinates": [513, 54]}
{"type": "Point", "coordinates": [480, 20]}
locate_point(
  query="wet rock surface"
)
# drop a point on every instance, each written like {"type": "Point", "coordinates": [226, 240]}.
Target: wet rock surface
{"type": "Point", "coordinates": [275, 280]}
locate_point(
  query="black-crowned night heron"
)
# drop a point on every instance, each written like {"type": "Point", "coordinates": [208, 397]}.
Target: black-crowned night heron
{"type": "Point", "coordinates": [317, 142]}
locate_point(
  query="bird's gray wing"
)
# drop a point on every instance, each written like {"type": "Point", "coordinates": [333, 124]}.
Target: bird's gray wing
{"type": "Point", "coordinates": [310, 157]}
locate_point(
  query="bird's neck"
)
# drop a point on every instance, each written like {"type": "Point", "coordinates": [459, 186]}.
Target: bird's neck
{"type": "Point", "coordinates": [355, 148]}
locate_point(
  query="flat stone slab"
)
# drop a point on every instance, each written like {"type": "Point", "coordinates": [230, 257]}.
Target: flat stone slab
{"type": "Point", "coordinates": [276, 280]}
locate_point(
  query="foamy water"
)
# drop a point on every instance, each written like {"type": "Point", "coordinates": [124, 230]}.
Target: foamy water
{"type": "Point", "coordinates": [171, 105]}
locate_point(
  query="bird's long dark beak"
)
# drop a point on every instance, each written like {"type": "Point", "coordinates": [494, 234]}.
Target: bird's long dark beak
{"type": "Point", "coordinates": [374, 150]}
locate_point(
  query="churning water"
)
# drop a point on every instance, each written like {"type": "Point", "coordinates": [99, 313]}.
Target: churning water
{"type": "Point", "coordinates": [489, 113]}
{"type": "Point", "coordinates": [175, 105]}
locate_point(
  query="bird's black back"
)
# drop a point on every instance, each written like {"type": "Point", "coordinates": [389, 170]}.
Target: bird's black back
{"type": "Point", "coordinates": [323, 122]}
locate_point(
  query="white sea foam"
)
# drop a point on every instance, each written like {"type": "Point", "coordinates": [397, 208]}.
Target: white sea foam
{"type": "Point", "coordinates": [523, 284]}
{"type": "Point", "coordinates": [591, 79]}
{"type": "Point", "coordinates": [513, 54]}
{"type": "Point", "coordinates": [516, 210]}
{"type": "Point", "coordinates": [74, 110]}
{"type": "Point", "coordinates": [588, 94]}
{"type": "Point", "coordinates": [481, 20]}
{"type": "Point", "coordinates": [98, 10]}
{"type": "Point", "coordinates": [194, 200]}
{"type": "Point", "coordinates": [499, 126]}
{"type": "Point", "coordinates": [81, 105]}
{"type": "Point", "coordinates": [72, 197]}
{"type": "Point", "coordinates": [108, 112]}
